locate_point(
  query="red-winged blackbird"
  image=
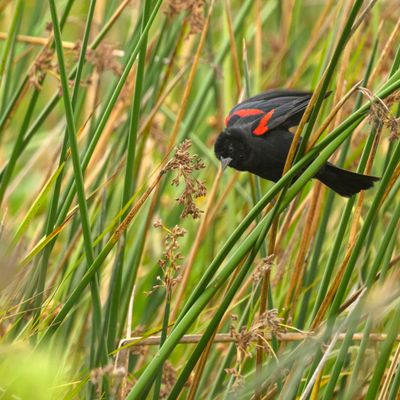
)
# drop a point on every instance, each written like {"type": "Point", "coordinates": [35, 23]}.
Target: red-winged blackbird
{"type": "Point", "coordinates": [257, 139]}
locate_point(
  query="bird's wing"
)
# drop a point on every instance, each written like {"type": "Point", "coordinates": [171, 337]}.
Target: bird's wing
{"type": "Point", "coordinates": [285, 115]}
{"type": "Point", "coordinates": [276, 95]}
{"type": "Point", "coordinates": [269, 110]}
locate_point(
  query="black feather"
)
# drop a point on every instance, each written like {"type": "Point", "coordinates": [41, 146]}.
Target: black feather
{"type": "Point", "coordinates": [343, 182]}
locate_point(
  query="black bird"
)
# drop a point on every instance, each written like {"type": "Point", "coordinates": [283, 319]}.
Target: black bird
{"type": "Point", "coordinates": [257, 139]}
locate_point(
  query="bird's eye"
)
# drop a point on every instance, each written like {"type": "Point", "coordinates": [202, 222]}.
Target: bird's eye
{"type": "Point", "coordinates": [230, 148]}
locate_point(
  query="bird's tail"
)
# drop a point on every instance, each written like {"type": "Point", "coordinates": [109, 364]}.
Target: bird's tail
{"type": "Point", "coordinates": [344, 182]}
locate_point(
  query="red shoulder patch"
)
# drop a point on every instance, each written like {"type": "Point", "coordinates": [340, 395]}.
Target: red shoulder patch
{"type": "Point", "coordinates": [262, 127]}
{"type": "Point", "coordinates": [246, 112]}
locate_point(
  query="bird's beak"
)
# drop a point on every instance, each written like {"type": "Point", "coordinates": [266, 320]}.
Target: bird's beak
{"type": "Point", "coordinates": [225, 162]}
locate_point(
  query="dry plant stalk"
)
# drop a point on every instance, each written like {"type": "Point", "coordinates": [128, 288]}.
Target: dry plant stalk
{"type": "Point", "coordinates": [296, 281]}
{"type": "Point", "coordinates": [41, 41]}
{"type": "Point", "coordinates": [293, 213]}
{"type": "Point", "coordinates": [171, 257]}
{"type": "Point", "coordinates": [264, 266]}
{"type": "Point", "coordinates": [115, 375]}
{"type": "Point", "coordinates": [140, 341]}
{"type": "Point", "coordinates": [184, 165]}
{"type": "Point", "coordinates": [258, 45]}
{"type": "Point", "coordinates": [163, 94]}
{"type": "Point", "coordinates": [193, 10]}
{"type": "Point", "coordinates": [103, 58]}
{"type": "Point", "coordinates": [334, 115]}
{"type": "Point", "coordinates": [263, 271]}
{"type": "Point", "coordinates": [384, 53]}
{"type": "Point", "coordinates": [191, 77]}
{"type": "Point", "coordinates": [168, 379]}
{"type": "Point", "coordinates": [42, 64]}
{"type": "Point", "coordinates": [389, 375]}
{"type": "Point", "coordinates": [380, 113]}
{"type": "Point", "coordinates": [244, 338]}
{"type": "Point", "coordinates": [319, 30]}
{"type": "Point", "coordinates": [232, 43]}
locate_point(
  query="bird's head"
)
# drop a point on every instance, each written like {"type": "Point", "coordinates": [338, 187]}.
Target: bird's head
{"type": "Point", "coordinates": [232, 148]}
